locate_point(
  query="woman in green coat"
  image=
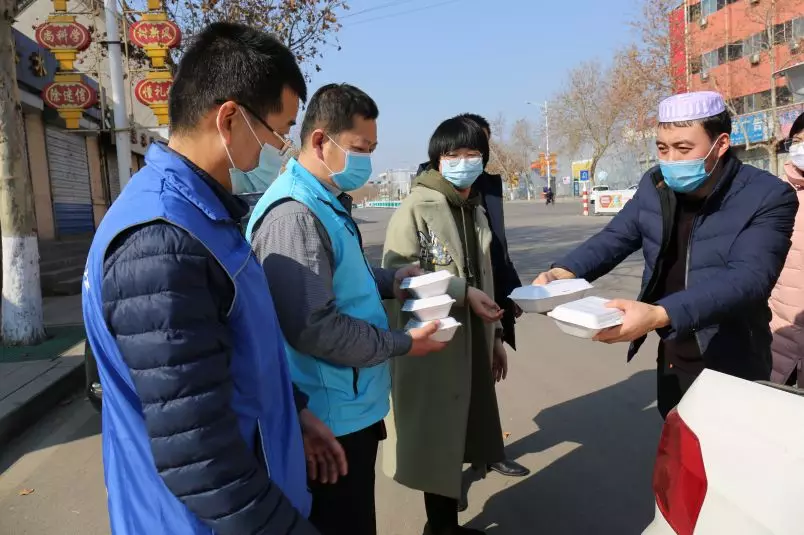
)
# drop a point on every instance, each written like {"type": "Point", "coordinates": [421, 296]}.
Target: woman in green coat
{"type": "Point", "coordinates": [444, 410]}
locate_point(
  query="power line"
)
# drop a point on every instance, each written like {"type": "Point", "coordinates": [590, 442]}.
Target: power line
{"type": "Point", "coordinates": [396, 3]}
{"type": "Point", "coordinates": [425, 8]}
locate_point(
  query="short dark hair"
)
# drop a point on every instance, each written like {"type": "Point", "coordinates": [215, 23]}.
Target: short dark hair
{"type": "Point", "coordinates": [457, 133]}
{"type": "Point", "coordinates": [479, 119]}
{"type": "Point", "coordinates": [715, 126]}
{"type": "Point", "coordinates": [229, 61]}
{"type": "Point", "coordinates": [333, 108]}
{"type": "Point", "coordinates": [798, 126]}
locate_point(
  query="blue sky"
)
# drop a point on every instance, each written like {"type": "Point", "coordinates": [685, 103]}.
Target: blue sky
{"type": "Point", "coordinates": [449, 57]}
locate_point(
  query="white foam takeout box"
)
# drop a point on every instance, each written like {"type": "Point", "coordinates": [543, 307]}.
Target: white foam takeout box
{"type": "Point", "coordinates": [586, 317]}
{"type": "Point", "coordinates": [542, 299]}
{"type": "Point", "coordinates": [446, 329]}
{"type": "Point", "coordinates": [428, 285]}
{"type": "Point", "coordinates": [429, 308]}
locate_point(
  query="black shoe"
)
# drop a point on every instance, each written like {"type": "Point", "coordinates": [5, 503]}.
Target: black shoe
{"type": "Point", "coordinates": [509, 468]}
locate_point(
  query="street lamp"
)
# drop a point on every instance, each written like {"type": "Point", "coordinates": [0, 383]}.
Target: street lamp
{"type": "Point", "coordinates": [546, 142]}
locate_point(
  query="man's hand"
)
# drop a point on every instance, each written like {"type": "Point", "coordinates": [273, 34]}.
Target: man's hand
{"type": "Point", "coordinates": [326, 460]}
{"type": "Point", "coordinates": [422, 344]}
{"type": "Point", "coordinates": [639, 319]}
{"type": "Point", "coordinates": [552, 275]}
{"type": "Point", "coordinates": [499, 365]}
{"type": "Point", "coordinates": [402, 274]}
{"type": "Point", "coordinates": [484, 306]}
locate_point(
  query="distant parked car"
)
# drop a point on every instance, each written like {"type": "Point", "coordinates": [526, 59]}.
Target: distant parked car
{"type": "Point", "coordinates": [729, 460]}
{"type": "Point", "coordinates": [634, 187]}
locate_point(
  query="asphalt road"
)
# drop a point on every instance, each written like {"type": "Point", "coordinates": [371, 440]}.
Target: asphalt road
{"type": "Point", "coordinates": [581, 419]}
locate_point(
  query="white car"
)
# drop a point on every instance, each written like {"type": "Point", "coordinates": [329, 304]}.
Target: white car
{"type": "Point", "coordinates": [594, 194]}
{"type": "Point", "coordinates": [731, 461]}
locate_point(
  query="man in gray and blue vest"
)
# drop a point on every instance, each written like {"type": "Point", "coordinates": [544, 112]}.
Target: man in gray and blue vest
{"type": "Point", "coordinates": [329, 300]}
{"type": "Point", "coordinates": [201, 431]}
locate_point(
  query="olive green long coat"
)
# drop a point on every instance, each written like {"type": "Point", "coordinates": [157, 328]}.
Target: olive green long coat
{"type": "Point", "coordinates": [427, 426]}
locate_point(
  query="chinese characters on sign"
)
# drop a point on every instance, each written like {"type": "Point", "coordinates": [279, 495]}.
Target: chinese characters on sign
{"type": "Point", "coordinates": [66, 35]}
{"type": "Point", "coordinates": [69, 95]}
{"type": "Point", "coordinates": [163, 33]}
{"type": "Point", "coordinates": [151, 92]}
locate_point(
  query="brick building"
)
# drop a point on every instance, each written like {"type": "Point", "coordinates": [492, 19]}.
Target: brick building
{"type": "Point", "coordinates": [734, 47]}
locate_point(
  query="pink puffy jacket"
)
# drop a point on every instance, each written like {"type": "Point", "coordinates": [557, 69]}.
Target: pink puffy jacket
{"type": "Point", "coordinates": [787, 299]}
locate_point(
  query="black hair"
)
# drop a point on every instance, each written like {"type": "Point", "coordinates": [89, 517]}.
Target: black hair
{"type": "Point", "coordinates": [333, 108]}
{"type": "Point", "coordinates": [457, 133]}
{"type": "Point", "coordinates": [479, 119]}
{"type": "Point", "coordinates": [715, 126]}
{"type": "Point", "coordinates": [798, 126]}
{"type": "Point", "coordinates": [229, 61]}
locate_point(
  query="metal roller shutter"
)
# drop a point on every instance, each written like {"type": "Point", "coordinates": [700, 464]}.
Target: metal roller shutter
{"type": "Point", "coordinates": [113, 172]}
{"type": "Point", "coordinates": [69, 182]}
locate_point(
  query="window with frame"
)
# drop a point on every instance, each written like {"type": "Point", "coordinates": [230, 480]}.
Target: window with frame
{"type": "Point", "coordinates": [735, 51]}
{"type": "Point", "coordinates": [783, 33]}
{"type": "Point", "coordinates": [756, 44]}
{"type": "Point", "coordinates": [694, 13]}
{"type": "Point", "coordinates": [709, 60]}
{"type": "Point", "coordinates": [708, 7]}
{"type": "Point", "coordinates": [798, 28]}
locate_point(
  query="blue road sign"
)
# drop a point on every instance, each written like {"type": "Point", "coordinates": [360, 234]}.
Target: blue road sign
{"type": "Point", "coordinates": [584, 175]}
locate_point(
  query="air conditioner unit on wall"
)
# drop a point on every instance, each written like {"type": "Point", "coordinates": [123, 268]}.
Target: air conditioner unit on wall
{"type": "Point", "coordinates": [703, 22]}
{"type": "Point", "coordinates": [754, 59]}
{"type": "Point", "coordinates": [704, 76]}
{"type": "Point", "coordinates": [795, 46]}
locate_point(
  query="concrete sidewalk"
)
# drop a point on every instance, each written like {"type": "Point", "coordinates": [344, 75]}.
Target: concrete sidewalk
{"type": "Point", "coordinates": [33, 379]}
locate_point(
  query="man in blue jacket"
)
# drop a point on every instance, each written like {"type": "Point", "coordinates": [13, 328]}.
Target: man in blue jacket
{"type": "Point", "coordinates": [714, 233]}
{"type": "Point", "coordinates": [200, 430]}
{"type": "Point", "coordinates": [329, 299]}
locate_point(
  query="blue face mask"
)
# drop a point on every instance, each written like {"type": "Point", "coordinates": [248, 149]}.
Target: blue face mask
{"type": "Point", "coordinates": [686, 176]}
{"type": "Point", "coordinates": [462, 172]}
{"type": "Point", "coordinates": [261, 177]}
{"type": "Point", "coordinates": [356, 170]}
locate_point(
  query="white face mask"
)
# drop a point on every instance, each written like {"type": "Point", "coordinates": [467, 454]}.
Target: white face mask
{"type": "Point", "coordinates": [797, 154]}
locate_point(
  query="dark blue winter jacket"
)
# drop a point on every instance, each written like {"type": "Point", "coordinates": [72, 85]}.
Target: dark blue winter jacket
{"type": "Point", "coordinates": [737, 249]}
{"type": "Point", "coordinates": [200, 431]}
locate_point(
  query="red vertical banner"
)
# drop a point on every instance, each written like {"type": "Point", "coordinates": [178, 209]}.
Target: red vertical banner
{"type": "Point", "coordinates": [678, 49]}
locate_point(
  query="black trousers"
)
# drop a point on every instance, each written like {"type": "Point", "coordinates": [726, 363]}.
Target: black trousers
{"type": "Point", "coordinates": [347, 507]}
{"type": "Point", "coordinates": [442, 512]}
{"type": "Point", "coordinates": [671, 384]}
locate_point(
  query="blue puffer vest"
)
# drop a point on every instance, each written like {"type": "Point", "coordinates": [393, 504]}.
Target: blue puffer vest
{"type": "Point", "coordinates": [139, 502]}
{"type": "Point", "coordinates": [346, 399]}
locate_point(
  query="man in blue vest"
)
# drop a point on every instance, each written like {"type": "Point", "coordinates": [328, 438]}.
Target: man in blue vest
{"type": "Point", "coordinates": [200, 430]}
{"type": "Point", "coordinates": [329, 300]}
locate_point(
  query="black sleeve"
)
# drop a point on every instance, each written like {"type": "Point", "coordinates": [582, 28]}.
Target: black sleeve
{"type": "Point", "coordinates": [165, 300]}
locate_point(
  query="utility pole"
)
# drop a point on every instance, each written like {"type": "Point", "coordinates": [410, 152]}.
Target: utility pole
{"type": "Point", "coordinates": [547, 146]}
{"type": "Point", "coordinates": [22, 322]}
{"type": "Point", "coordinates": [122, 136]}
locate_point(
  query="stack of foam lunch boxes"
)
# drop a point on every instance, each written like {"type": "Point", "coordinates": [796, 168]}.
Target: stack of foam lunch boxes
{"type": "Point", "coordinates": [430, 303]}
{"type": "Point", "coordinates": [568, 302]}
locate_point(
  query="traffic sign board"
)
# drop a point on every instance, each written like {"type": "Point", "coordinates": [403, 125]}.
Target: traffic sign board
{"type": "Point", "coordinates": [584, 175]}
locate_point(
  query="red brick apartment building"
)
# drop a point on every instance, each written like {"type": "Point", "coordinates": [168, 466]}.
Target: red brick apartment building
{"type": "Point", "coordinates": [734, 47]}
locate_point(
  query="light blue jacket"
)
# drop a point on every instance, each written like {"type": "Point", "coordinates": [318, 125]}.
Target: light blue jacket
{"type": "Point", "coordinates": [346, 399]}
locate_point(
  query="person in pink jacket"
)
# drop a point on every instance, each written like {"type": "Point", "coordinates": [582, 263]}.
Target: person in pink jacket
{"type": "Point", "coordinates": [787, 299]}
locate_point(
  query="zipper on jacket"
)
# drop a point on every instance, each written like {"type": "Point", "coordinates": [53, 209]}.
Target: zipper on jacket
{"type": "Point", "coordinates": [470, 277]}
{"type": "Point", "coordinates": [355, 379]}
{"type": "Point", "coordinates": [687, 272]}
{"type": "Point", "coordinates": [262, 449]}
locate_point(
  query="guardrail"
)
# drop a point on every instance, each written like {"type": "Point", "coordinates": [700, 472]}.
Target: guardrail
{"type": "Point", "coordinates": [382, 204]}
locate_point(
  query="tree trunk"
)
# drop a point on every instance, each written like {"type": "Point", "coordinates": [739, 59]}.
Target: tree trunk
{"type": "Point", "coordinates": [22, 322]}
{"type": "Point", "coordinates": [592, 170]}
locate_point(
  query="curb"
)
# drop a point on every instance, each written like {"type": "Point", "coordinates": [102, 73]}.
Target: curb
{"type": "Point", "coordinates": [32, 409]}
